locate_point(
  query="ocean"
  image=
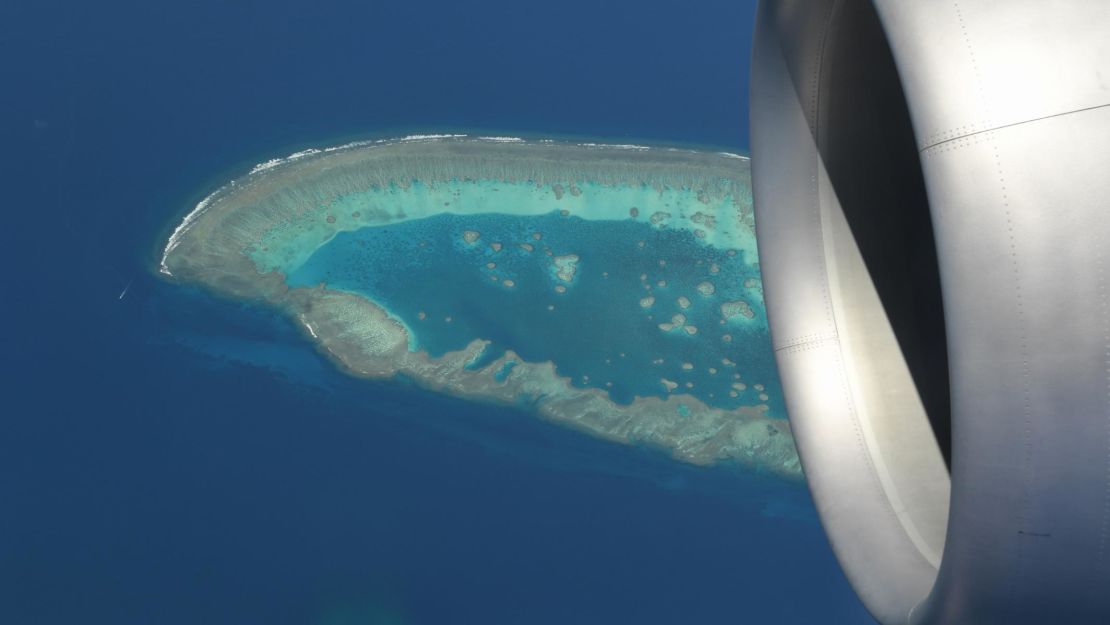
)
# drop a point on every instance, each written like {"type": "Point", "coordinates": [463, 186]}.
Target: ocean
{"type": "Point", "coordinates": [170, 457]}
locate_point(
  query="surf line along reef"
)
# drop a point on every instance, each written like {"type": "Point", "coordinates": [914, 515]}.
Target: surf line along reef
{"type": "Point", "coordinates": [611, 288]}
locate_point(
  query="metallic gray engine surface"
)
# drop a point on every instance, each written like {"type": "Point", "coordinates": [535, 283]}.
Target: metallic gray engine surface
{"type": "Point", "coordinates": [1007, 138]}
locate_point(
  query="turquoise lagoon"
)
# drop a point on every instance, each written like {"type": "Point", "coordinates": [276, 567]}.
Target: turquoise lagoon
{"type": "Point", "coordinates": [601, 328]}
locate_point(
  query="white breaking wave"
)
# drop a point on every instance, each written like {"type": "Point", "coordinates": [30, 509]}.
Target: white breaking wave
{"type": "Point", "coordinates": [617, 146]}
{"type": "Point", "coordinates": [423, 137]}
{"type": "Point", "coordinates": [309, 327]}
{"type": "Point", "coordinates": [274, 162]}
{"type": "Point", "coordinates": [175, 238]}
{"type": "Point", "coordinates": [345, 146]}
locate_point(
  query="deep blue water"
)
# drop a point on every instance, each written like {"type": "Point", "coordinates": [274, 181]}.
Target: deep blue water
{"type": "Point", "coordinates": [171, 458]}
{"type": "Point", "coordinates": [596, 331]}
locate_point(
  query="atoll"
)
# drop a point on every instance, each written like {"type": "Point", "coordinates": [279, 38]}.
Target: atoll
{"type": "Point", "coordinates": [244, 241]}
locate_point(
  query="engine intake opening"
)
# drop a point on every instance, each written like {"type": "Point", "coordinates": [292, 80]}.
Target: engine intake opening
{"type": "Point", "coordinates": [867, 143]}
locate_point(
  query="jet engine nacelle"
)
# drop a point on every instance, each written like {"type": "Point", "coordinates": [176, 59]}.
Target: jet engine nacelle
{"type": "Point", "coordinates": [932, 196]}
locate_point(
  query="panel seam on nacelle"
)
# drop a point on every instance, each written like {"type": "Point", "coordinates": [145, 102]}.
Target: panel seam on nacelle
{"type": "Point", "coordinates": [974, 133]}
{"type": "Point", "coordinates": [815, 103]}
{"type": "Point", "coordinates": [1019, 310]}
{"type": "Point", "coordinates": [807, 343]}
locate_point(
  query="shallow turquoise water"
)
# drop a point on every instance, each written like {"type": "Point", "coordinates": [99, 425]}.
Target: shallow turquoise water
{"type": "Point", "coordinates": [449, 291]}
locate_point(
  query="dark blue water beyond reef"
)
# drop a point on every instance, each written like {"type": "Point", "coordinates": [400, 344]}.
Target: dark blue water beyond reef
{"type": "Point", "coordinates": [171, 458]}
